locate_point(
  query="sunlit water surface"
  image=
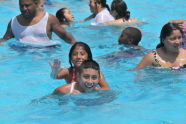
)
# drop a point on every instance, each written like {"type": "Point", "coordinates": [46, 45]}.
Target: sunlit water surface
{"type": "Point", "coordinates": [148, 96]}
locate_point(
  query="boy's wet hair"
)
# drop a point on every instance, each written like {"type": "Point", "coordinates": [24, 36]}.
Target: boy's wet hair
{"type": "Point", "coordinates": [132, 33]}
{"type": "Point", "coordinates": [89, 64]}
{"type": "Point", "coordinates": [85, 47]}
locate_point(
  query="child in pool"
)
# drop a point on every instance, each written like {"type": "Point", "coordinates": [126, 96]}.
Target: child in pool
{"type": "Point", "coordinates": [88, 77]}
{"type": "Point", "coordinates": [65, 17]}
{"type": "Point", "coordinates": [79, 52]}
{"type": "Point", "coordinates": [168, 54]}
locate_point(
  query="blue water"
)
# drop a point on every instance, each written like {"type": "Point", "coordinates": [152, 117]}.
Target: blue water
{"type": "Point", "coordinates": [147, 96]}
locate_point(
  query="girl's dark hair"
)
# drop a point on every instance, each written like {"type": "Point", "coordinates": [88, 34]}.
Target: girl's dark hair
{"type": "Point", "coordinates": [120, 7]}
{"type": "Point", "coordinates": [103, 3]}
{"type": "Point", "coordinates": [167, 31]}
{"type": "Point", "coordinates": [85, 47]}
{"type": "Point", "coordinates": [60, 15]}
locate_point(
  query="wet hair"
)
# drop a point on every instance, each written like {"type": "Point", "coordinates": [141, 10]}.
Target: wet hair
{"type": "Point", "coordinates": [60, 15]}
{"type": "Point", "coordinates": [85, 47]}
{"type": "Point", "coordinates": [103, 3]}
{"type": "Point", "coordinates": [132, 33]}
{"type": "Point", "coordinates": [120, 7]}
{"type": "Point", "coordinates": [89, 64]}
{"type": "Point", "coordinates": [167, 31]}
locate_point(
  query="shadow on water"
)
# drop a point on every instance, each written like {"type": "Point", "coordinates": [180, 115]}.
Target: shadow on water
{"type": "Point", "coordinates": [86, 99]}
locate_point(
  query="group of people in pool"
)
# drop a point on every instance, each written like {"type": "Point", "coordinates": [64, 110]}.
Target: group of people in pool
{"type": "Point", "coordinates": [102, 14]}
{"type": "Point", "coordinates": [35, 26]}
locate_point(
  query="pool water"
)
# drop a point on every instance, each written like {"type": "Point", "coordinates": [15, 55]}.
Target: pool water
{"type": "Point", "coordinates": [148, 96]}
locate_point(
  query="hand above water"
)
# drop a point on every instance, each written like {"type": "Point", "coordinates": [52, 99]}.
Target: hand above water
{"type": "Point", "coordinates": [56, 68]}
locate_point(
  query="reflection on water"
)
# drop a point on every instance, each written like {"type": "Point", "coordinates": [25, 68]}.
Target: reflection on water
{"type": "Point", "coordinates": [84, 99]}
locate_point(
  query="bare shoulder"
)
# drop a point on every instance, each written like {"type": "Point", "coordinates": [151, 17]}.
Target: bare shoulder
{"type": "Point", "coordinates": [114, 22]}
{"type": "Point", "coordinates": [52, 19]}
{"type": "Point", "coordinates": [123, 22]}
{"type": "Point", "coordinates": [183, 52]}
{"type": "Point", "coordinates": [146, 61]}
{"type": "Point", "coordinates": [64, 89]}
{"type": "Point", "coordinates": [150, 55]}
{"type": "Point", "coordinates": [134, 20]}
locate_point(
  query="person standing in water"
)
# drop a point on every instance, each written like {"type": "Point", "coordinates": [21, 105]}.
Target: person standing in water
{"type": "Point", "coordinates": [35, 27]}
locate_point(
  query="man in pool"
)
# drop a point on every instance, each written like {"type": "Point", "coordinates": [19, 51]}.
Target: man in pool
{"type": "Point", "coordinates": [87, 79]}
{"type": "Point", "coordinates": [34, 26]}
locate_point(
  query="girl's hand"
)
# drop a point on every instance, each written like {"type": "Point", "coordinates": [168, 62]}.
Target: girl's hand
{"type": "Point", "coordinates": [56, 68]}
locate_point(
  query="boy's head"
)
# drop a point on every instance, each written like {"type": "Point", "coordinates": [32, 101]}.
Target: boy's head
{"type": "Point", "coordinates": [89, 75]}
{"type": "Point", "coordinates": [130, 36]}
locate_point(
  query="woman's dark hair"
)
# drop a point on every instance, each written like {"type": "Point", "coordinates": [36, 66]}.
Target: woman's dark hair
{"type": "Point", "coordinates": [103, 3]}
{"type": "Point", "coordinates": [120, 7]}
{"type": "Point", "coordinates": [167, 31]}
{"type": "Point", "coordinates": [60, 15]}
{"type": "Point", "coordinates": [85, 47]}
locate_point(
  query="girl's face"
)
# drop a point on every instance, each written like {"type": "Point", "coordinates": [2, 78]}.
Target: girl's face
{"type": "Point", "coordinates": [173, 41]}
{"type": "Point", "coordinates": [78, 56]}
{"type": "Point", "coordinates": [68, 15]}
{"type": "Point", "coordinates": [92, 5]}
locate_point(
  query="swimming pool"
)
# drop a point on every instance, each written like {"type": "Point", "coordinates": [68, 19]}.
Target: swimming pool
{"type": "Point", "coordinates": [144, 97]}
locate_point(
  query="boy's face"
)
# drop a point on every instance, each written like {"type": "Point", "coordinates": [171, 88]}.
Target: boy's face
{"type": "Point", "coordinates": [124, 39]}
{"type": "Point", "coordinates": [89, 79]}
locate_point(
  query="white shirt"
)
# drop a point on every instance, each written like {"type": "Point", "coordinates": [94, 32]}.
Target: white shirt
{"type": "Point", "coordinates": [102, 17]}
{"type": "Point", "coordinates": [34, 35]}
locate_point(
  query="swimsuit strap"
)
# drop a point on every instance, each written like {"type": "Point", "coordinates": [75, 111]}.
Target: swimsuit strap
{"type": "Point", "coordinates": [73, 75]}
{"type": "Point", "coordinates": [72, 87]}
{"type": "Point", "coordinates": [157, 63]}
{"type": "Point", "coordinates": [155, 58]}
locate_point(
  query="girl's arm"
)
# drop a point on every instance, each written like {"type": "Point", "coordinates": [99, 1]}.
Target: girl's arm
{"type": "Point", "coordinates": [103, 83]}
